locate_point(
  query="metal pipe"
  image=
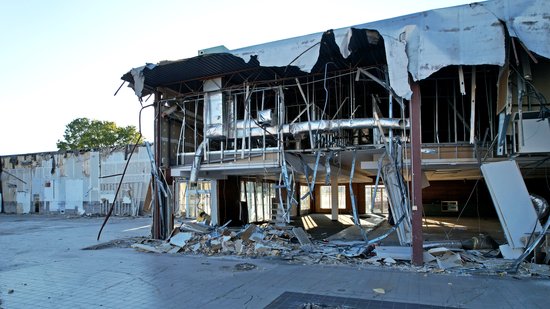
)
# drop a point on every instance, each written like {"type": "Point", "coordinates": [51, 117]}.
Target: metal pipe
{"type": "Point", "coordinates": [473, 106]}
{"type": "Point", "coordinates": [436, 113]}
{"type": "Point", "coordinates": [244, 128]}
{"type": "Point", "coordinates": [455, 113]}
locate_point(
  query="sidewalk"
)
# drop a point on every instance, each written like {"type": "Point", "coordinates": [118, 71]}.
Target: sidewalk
{"type": "Point", "coordinates": [42, 266]}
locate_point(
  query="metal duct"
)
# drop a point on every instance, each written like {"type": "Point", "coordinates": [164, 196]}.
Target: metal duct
{"type": "Point", "coordinates": [541, 206]}
{"type": "Point", "coordinates": [247, 128]}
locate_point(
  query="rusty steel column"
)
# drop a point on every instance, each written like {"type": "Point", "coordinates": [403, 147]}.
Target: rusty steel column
{"type": "Point", "coordinates": [416, 144]}
{"type": "Point", "coordinates": [157, 225]}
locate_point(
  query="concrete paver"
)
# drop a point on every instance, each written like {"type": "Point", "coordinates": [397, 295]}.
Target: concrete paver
{"type": "Point", "coordinates": [42, 266]}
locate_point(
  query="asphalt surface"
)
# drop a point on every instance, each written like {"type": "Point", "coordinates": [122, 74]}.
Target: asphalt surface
{"type": "Point", "coordinates": [42, 266]}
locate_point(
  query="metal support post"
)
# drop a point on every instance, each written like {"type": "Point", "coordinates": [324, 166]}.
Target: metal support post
{"type": "Point", "coordinates": [156, 227]}
{"type": "Point", "coordinates": [214, 209]}
{"type": "Point", "coordinates": [417, 245]}
{"type": "Point", "coordinates": [334, 196]}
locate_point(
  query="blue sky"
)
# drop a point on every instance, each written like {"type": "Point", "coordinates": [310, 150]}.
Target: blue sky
{"type": "Point", "coordinates": [63, 59]}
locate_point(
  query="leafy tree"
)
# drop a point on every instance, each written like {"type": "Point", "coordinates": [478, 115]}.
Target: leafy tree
{"type": "Point", "coordinates": [83, 133]}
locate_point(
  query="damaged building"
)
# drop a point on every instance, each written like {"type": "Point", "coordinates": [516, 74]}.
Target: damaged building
{"type": "Point", "coordinates": [77, 182]}
{"type": "Point", "coordinates": [438, 113]}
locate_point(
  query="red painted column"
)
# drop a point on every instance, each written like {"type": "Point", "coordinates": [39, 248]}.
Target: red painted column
{"type": "Point", "coordinates": [416, 144]}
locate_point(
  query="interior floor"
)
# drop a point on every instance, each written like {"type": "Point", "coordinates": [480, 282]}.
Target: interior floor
{"type": "Point", "coordinates": [435, 229]}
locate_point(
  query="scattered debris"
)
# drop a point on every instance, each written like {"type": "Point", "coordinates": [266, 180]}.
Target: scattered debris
{"type": "Point", "coordinates": [379, 291]}
{"type": "Point", "coordinates": [320, 306]}
{"type": "Point", "coordinates": [389, 261]}
{"type": "Point", "coordinates": [116, 243]}
{"type": "Point", "coordinates": [204, 218]}
{"type": "Point", "coordinates": [180, 239]}
{"type": "Point", "coordinates": [248, 232]}
{"type": "Point", "coordinates": [295, 246]}
{"type": "Point", "coordinates": [244, 267]}
{"type": "Point", "coordinates": [147, 248]}
{"type": "Point", "coordinates": [303, 238]}
{"type": "Point", "coordinates": [195, 227]}
{"type": "Point", "coordinates": [395, 252]}
{"type": "Point", "coordinates": [538, 269]}
{"type": "Point", "coordinates": [449, 260]}
{"type": "Point", "coordinates": [479, 242]}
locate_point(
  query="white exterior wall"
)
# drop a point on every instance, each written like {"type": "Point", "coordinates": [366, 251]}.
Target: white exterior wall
{"type": "Point", "coordinates": [75, 183]}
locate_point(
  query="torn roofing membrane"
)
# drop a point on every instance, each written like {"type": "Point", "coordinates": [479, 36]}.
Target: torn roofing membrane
{"type": "Point", "coordinates": [419, 44]}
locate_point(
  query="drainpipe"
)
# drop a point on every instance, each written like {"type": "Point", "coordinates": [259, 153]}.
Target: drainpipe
{"type": "Point", "coordinates": [417, 245]}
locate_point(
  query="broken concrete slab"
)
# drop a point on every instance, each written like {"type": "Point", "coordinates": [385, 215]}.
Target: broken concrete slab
{"type": "Point", "coordinates": [303, 239]}
{"type": "Point", "coordinates": [538, 269]}
{"type": "Point", "coordinates": [438, 251]}
{"type": "Point", "coordinates": [302, 236]}
{"type": "Point", "coordinates": [180, 239]}
{"type": "Point", "coordinates": [449, 260]}
{"type": "Point", "coordinates": [355, 251]}
{"type": "Point", "coordinates": [165, 247]}
{"type": "Point", "coordinates": [228, 246]}
{"type": "Point", "coordinates": [146, 248]}
{"type": "Point", "coordinates": [238, 246]}
{"type": "Point", "coordinates": [215, 244]}
{"type": "Point", "coordinates": [339, 242]}
{"type": "Point", "coordinates": [261, 249]}
{"type": "Point", "coordinates": [174, 250]}
{"type": "Point", "coordinates": [196, 247]}
{"type": "Point", "coordinates": [389, 261]}
{"type": "Point", "coordinates": [251, 228]}
{"type": "Point", "coordinates": [257, 236]}
{"type": "Point", "coordinates": [400, 253]}
{"type": "Point", "coordinates": [395, 252]}
{"type": "Point", "coordinates": [428, 257]}
{"type": "Point", "coordinates": [195, 227]}
{"type": "Point", "coordinates": [509, 253]}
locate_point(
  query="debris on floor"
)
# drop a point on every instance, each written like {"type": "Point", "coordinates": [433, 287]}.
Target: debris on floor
{"type": "Point", "coordinates": [244, 267]}
{"type": "Point", "coordinates": [295, 245]}
{"type": "Point", "coordinates": [321, 306]}
{"type": "Point", "coordinates": [116, 243]}
{"type": "Point", "coordinates": [379, 291]}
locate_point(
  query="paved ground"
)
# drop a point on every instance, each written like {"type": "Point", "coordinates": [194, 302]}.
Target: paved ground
{"type": "Point", "coordinates": [42, 266]}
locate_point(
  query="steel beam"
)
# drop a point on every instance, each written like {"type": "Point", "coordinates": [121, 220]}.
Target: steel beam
{"type": "Point", "coordinates": [156, 229]}
{"type": "Point", "coordinates": [417, 244]}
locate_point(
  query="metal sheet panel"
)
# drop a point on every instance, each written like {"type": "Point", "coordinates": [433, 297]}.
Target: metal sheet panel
{"type": "Point", "coordinates": [512, 202]}
{"type": "Point", "coordinates": [420, 44]}
{"type": "Point", "coordinates": [536, 136]}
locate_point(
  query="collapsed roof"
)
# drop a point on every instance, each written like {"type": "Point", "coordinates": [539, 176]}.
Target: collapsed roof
{"type": "Point", "coordinates": [419, 44]}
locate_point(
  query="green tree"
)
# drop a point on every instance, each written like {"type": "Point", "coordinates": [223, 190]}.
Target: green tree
{"type": "Point", "coordinates": [83, 133]}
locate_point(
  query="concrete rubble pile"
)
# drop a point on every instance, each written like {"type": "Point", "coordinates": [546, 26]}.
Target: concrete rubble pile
{"type": "Point", "coordinates": [294, 245]}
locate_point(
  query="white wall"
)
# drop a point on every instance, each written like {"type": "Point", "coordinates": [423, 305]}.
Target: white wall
{"type": "Point", "coordinates": [75, 183]}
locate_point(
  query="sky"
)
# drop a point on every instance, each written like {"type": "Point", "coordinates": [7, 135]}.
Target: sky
{"type": "Point", "coordinates": [63, 59]}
